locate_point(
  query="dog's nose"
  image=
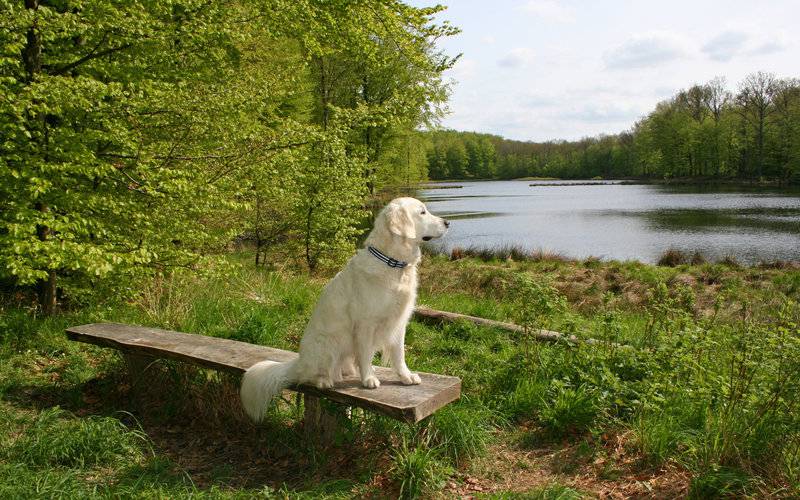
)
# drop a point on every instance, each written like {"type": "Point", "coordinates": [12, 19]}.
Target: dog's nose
{"type": "Point", "coordinates": [446, 223]}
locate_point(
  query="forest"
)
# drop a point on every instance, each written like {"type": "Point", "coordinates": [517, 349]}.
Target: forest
{"type": "Point", "coordinates": [142, 137]}
{"type": "Point", "coordinates": [706, 131]}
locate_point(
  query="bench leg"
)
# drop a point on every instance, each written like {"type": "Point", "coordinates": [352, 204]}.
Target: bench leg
{"type": "Point", "coordinates": [321, 420]}
{"type": "Point", "coordinates": [137, 365]}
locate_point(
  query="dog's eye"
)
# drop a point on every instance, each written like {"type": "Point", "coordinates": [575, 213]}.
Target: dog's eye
{"type": "Point", "coordinates": [423, 212]}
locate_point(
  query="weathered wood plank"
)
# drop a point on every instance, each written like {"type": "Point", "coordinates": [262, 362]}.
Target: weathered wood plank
{"type": "Point", "coordinates": [392, 398]}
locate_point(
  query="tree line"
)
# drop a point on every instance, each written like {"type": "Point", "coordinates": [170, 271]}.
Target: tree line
{"type": "Point", "coordinates": [142, 137]}
{"type": "Point", "coordinates": [704, 131]}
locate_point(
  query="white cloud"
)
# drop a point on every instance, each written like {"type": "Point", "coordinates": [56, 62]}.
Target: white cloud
{"type": "Point", "coordinates": [732, 43]}
{"type": "Point", "coordinates": [529, 78]}
{"type": "Point", "coordinates": [604, 113]}
{"type": "Point", "coordinates": [464, 69]}
{"type": "Point", "coordinates": [726, 45]}
{"type": "Point", "coordinates": [516, 58]}
{"type": "Point", "coordinates": [550, 10]}
{"type": "Point", "coordinates": [647, 50]}
{"type": "Point", "coordinates": [768, 47]}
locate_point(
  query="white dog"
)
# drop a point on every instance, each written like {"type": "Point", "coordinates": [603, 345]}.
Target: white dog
{"type": "Point", "coordinates": [363, 310]}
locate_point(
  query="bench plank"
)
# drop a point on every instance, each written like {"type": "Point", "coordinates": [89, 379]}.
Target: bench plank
{"type": "Point", "coordinates": [410, 403]}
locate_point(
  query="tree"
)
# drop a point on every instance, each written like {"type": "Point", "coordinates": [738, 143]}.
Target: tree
{"type": "Point", "coordinates": [701, 131]}
{"type": "Point", "coordinates": [755, 105]}
{"type": "Point", "coordinates": [140, 137]}
{"type": "Point", "coordinates": [787, 117]}
{"type": "Point", "coordinates": [103, 159]}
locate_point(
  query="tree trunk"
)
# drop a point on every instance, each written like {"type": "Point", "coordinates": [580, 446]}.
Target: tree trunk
{"type": "Point", "coordinates": [46, 286]}
{"type": "Point", "coordinates": [32, 52]}
{"type": "Point", "coordinates": [310, 260]}
{"type": "Point", "coordinates": [32, 59]}
{"type": "Point", "coordinates": [760, 142]}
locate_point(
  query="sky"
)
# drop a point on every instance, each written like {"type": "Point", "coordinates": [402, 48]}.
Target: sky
{"type": "Point", "coordinates": [551, 69]}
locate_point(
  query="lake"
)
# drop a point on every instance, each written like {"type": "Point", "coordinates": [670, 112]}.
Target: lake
{"type": "Point", "coordinates": [615, 221]}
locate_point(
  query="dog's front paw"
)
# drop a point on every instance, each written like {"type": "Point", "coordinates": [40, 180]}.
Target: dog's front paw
{"type": "Point", "coordinates": [371, 382]}
{"type": "Point", "coordinates": [410, 379]}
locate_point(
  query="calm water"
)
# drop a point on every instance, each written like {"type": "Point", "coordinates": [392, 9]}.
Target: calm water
{"type": "Point", "coordinates": [622, 221]}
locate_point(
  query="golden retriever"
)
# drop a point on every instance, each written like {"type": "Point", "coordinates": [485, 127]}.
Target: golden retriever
{"type": "Point", "coordinates": [364, 309]}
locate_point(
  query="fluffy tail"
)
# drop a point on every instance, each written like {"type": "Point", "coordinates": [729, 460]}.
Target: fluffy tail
{"type": "Point", "coordinates": [262, 382]}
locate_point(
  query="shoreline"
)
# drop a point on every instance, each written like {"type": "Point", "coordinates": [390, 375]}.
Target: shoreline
{"type": "Point", "coordinates": [696, 181]}
{"type": "Point", "coordinates": [670, 257]}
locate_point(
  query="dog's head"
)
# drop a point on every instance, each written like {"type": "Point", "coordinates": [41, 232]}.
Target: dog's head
{"type": "Point", "coordinates": [410, 219]}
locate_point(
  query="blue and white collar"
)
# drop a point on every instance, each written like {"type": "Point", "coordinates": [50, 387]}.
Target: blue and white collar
{"type": "Point", "coordinates": [399, 264]}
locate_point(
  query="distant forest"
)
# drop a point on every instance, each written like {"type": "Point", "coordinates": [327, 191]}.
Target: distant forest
{"type": "Point", "coordinates": [705, 131]}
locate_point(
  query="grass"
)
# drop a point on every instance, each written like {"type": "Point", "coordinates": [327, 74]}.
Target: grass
{"type": "Point", "coordinates": [417, 470]}
{"type": "Point", "coordinates": [550, 492]}
{"type": "Point", "coordinates": [703, 406]}
{"type": "Point", "coordinates": [55, 438]}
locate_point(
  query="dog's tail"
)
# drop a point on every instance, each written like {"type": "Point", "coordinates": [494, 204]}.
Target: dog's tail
{"type": "Point", "coordinates": [262, 382]}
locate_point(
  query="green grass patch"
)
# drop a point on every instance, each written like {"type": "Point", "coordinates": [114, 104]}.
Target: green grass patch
{"type": "Point", "coordinates": [708, 386]}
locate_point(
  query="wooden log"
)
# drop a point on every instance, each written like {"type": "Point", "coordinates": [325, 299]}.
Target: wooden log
{"type": "Point", "coordinates": [425, 313]}
{"type": "Point", "coordinates": [410, 403]}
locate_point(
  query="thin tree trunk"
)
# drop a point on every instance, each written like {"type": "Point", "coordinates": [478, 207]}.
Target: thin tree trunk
{"type": "Point", "coordinates": [32, 59]}
{"type": "Point", "coordinates": [309, 259]}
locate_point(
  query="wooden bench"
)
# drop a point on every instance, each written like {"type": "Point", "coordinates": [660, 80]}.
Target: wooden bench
{"type": "Point", "coordinates": [141, 345]}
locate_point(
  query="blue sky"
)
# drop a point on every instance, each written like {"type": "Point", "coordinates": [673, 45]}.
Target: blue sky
{"type": "Point", "coordinates": [551, 69]}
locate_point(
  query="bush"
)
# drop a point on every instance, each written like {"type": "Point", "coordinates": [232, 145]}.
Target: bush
{"type": "Point", "coordinates": [671, 258]}
{"type": "Point", "coordinates": [571, 410]}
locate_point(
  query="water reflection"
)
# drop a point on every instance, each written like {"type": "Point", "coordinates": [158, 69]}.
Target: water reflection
{"type": "Point", "coordinates": [616, 221]}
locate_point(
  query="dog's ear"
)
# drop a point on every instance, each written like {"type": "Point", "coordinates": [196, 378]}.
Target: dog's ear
{"type": "Point", "coordinates": [399, 221]}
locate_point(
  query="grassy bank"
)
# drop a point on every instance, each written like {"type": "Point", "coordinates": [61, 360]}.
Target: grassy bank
{"type": "Point", "coordinates": [704, 405]}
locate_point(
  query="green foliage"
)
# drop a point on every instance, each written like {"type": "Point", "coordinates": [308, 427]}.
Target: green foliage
{"type": "Point", "coordinates": [417, 469]}
{"type": "Point", "coordinates": [462, 431]}
{"type": "Point", "coordinates": [711, 393]}
{"type": "Point", "coordinates": [722, 482]}
{"type": "Point", "coordinates": [704, 131]}
{"type": "Point", "coordinates": [550, 492]}
{"type": "Point", "coordinates": [141, 137]}
{"type": "Point", "coordinates": [56, 439]}
{"type": "Point", "coordinates": [535, 301]}
{"type": "Point", "coordinates": [571, 410]}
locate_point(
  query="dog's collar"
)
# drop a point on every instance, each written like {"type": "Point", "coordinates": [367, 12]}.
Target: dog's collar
{"type": "Point", "coordinates": [399, 264]}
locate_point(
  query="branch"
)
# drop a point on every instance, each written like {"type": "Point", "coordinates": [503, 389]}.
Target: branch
{"type": "Point", "coordinates": [93, 54]}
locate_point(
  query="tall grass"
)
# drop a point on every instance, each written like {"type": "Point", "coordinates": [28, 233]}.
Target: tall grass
{"type": "Point", "coordinates": [56, 438]}
{"type": "Point", "coordinates": [417, 470]}
{"type": "Point", "coordinates": [501, 252]}
{"type": "Point", "coordinates": [710, 388]}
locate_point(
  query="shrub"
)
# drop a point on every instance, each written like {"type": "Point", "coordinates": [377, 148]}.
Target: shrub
{"type": "Point", "coordinates": [572, 410]}
{"type": "Point", "coordinates": [730, 261]}
{"type": "Point", "coordinates": [672, 257]}
{"type": "Point", "coordinates": [698, 259]}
